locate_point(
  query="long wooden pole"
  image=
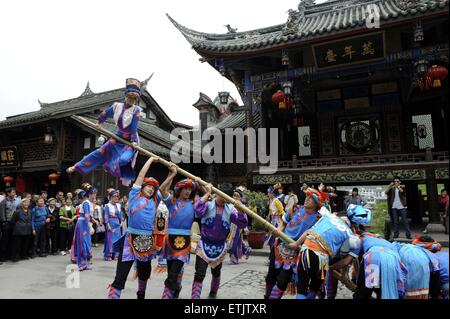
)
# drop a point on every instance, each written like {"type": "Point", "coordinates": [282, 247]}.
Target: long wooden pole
{"type": "Point", "coordinates": [200, 181]}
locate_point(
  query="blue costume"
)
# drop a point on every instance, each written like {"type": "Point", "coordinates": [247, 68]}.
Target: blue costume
{"type": "Point", "coordinates": [82, 245]}
{"type": "Point", "coordinates": [137, 245]}
{"type": "Point", "coordinates": [420, 263]}
{"type": "Point", "coordinates": [284, 260]}
{"type": "Point", "coordinates": [442, 257]}
{"type": "Point", "coordinates": [324, 241]}
{"type": "Point", "coordinates": [381, 269]}
{"type": "Point", "coordinates": [177, 243]}
{"type": "Point", "coordinates": [113, 219]}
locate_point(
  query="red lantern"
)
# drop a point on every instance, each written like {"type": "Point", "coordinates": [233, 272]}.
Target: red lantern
{"type": "Point", "coordinates": [53, 178]}
{"type": "Point", "coordinates": [8, 180]}
{"type": "Point", "coordinates": [278, 96]}
{"type": "Point", "coordinates": [437, 73]}
{"type": "Point", "coordinates": [294, 122]}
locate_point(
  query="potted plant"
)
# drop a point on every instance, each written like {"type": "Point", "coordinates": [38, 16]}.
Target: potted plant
{"type": "Point", "coordinates": [257, 202]}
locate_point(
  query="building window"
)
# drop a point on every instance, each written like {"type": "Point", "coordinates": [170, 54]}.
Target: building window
{"type": "Point", "coordinates": [423, 131]}
{"type": "Point", "coordinates": [87, 143]}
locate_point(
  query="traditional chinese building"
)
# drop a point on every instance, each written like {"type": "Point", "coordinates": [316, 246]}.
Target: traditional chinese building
{"type": "Point", "coordinates": [357, 90]}
{"type": "Point", "coordinates": [36, 144]}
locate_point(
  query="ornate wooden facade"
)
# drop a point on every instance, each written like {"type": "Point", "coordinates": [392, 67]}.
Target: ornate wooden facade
{"type": "Point", "coordinates": [358, 115]}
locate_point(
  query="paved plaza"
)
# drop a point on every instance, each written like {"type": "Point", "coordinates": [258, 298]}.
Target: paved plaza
{"type": "Point", "coordinates": [46, 278]}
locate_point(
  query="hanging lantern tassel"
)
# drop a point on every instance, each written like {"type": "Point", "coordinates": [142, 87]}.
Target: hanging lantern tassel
{"type": "Point", "coordinates": [8, 180]}
{"type": "Point", "coordinates": [437, 73]}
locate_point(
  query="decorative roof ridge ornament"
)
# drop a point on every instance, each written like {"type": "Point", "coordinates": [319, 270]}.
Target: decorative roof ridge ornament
{"type": "Point", "coordinates": [42, 104]}
{"type": "Point", "coordinates": [294, 19]}
{"type": "Point", "coordinates": [87, 90]}
{"type": "Point", "coordinates": [407, 4]}
{"type": "Point", "coordinates": [230, 29]}
{"type": "Point", "coordinates": [145, 82]}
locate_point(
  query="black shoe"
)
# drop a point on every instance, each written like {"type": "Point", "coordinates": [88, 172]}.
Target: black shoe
{"type": "Point", "coordinates": [42, 255]}
{"type": "Point", "coordinates": [396, 236]}
{"type": "Point", "coordinates": [408, 236]}
{"type": "Point", "coordinates": [33, 256]}
{"type": "Point", "coordinates": [140, 295]}
{"type": "Point", "coordinates": [212, 295]}
{"type": "Point", "coordinates": [14, 260]}
{"type": "Point", "coordinates": [25, 257]}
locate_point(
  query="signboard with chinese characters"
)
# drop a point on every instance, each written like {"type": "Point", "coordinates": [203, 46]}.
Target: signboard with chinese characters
{"type": "Point", "coordinates": [9, 157]}
{"type": "Point", "coordinates": [358, 49]}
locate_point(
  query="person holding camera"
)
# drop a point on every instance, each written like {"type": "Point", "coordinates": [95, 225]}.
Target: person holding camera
{"type": "Point", "coordinates": [397, 202]}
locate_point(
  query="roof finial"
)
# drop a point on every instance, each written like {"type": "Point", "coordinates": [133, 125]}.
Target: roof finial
{"type": "Point", "coordinates": [230, 29]}
{"type": "Point", "coordinates": [41, 103]}
{"type": "Point", "coordinates": [87, 90]}
{"type": "Point", "coordinates": [145, 82]}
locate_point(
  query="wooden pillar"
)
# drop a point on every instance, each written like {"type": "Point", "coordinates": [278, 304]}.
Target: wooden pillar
{"type": "Point", "coordinates": [249, 124]}
{"type": "Point", "coordinates": [432, 196]}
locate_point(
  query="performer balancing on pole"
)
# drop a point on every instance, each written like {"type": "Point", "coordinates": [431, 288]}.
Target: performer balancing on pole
{"type": "Point", "coordinates": [177, 244]}
{"type": "Point", "coordinates": [117, 159]}
{"type": "Point", "coordinates": [216, 219]}
{"type": "Point", "coordinates": [138, 243]}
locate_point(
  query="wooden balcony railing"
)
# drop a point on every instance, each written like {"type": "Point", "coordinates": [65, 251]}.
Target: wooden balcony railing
{"type": "Point", "coordinates": [426, 156]}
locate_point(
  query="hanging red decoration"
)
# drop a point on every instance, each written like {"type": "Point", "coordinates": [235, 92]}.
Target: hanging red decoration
{"type": "Point", "coordinates": [282, 100]}
{"type": "Point", "coordinates": [278, 96]}
{"type": "Point", "coordinates": [53, 178]}
{"type": "Point", "coordinates": [20, 184]}
{"type": "Point", "coordinates": [424, 83]}
{"type": "Point", "coordinates": [295, 122]}
{"type": "Point", "coordinates": [8, 180]}
{"type": "Point", "coordinates": [437, 73]}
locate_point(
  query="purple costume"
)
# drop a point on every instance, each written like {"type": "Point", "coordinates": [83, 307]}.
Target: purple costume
{"type": "Point", "coordinates": [116, 158]}
{"type": "Point", "coordinates": [216, 223]}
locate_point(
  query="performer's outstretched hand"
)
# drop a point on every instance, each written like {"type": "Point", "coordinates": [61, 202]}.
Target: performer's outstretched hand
{"type": "Point", "coordinates": [143, 171]}
{"type": "Point", "coordinates": [164, 188]}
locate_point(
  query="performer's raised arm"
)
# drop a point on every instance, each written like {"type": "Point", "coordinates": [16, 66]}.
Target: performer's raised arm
{"type": "Point", "coordinates": [103, 116]}
{"type": "Point", "coordinates": [144, 170]}
{"type": "Point", "coordinates": [164, 189]}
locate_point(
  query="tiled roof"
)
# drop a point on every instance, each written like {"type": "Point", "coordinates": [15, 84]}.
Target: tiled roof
{"type": "Point", "coordinates": [237, 120]}
{"type": "Point", "coordinates": [57, 109]}
{"type": "Point", "coordinates": [311, 21]}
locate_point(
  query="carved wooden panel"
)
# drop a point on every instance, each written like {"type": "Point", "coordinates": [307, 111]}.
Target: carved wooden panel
{"type": "Point", "coordinates": [272, 179]}
{"type": "Point", "coordinates": [393, 133]}
{"type": "Point", "coordinates": [38, 151]}
{"type": "Point", "coordinates": [364, 176]}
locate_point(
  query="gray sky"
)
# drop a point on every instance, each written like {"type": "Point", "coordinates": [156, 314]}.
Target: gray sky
{"type": "Point", "coordinates": [49, 49]}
